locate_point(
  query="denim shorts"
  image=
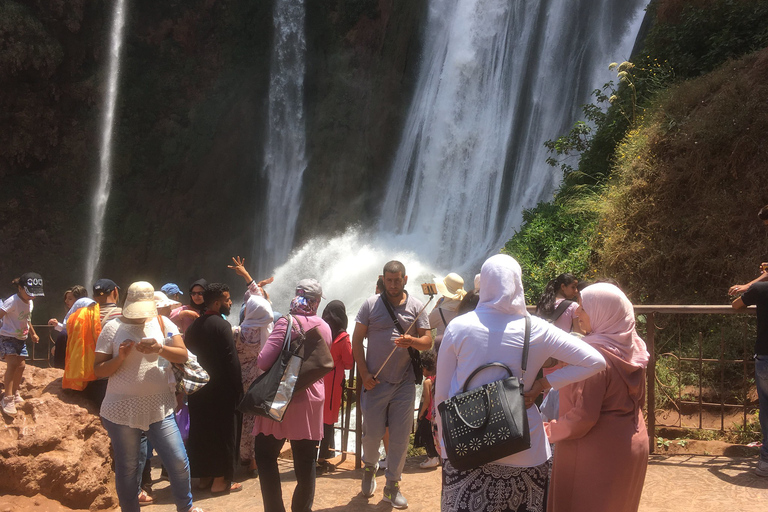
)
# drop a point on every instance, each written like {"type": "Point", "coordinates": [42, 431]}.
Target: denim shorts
{"type": "Point", "coordinates": [13, 346]}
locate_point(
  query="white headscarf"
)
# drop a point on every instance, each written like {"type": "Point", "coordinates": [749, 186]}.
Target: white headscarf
{"type": "Point", "coordinates": [612, 318]}
{"type": "Point", "coordinates": [258, 315]}
{"type": "Point", "coordinates": [501, 285]}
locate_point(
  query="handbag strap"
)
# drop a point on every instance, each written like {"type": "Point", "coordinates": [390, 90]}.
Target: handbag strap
{"type": "Point", "coordinates": [288, 329]}
{"type": "Point", "coordinates": [523, 365]}
{"type": "Point", "coordinates": [440, 310]}
{"type": "Point", "coordinates": [559, 310]}
{"type": "Point", "coordinates": [392, 313]}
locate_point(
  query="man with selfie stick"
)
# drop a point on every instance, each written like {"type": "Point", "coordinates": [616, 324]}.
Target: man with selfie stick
{"type": "Point", "coordinates": [389, 398]}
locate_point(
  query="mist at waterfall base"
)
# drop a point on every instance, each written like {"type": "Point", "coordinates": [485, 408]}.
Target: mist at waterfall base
{"type": "Point", "coordinates": [497, 80]}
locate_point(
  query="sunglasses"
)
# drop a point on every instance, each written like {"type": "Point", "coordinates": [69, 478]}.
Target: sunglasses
{"type": "Point", "coordinates": [196, 293]}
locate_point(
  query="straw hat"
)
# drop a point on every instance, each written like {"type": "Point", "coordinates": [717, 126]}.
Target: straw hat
{"type": "Point", "coordinates": [451, 286]}
{"type": "Point", "coordinates": [162, 301]}
{"type": "Point", "coordinates": [140, 301]}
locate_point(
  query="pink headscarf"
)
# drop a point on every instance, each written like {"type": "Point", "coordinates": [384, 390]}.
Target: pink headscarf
{"type": "Point", "coordinates": [613, 323]}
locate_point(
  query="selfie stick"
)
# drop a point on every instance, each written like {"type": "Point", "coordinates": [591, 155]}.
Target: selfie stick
{"type": "Point", "coordinates": [431, 296]}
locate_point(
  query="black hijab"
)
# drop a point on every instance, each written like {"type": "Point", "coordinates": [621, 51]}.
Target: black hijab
{"type": "Point", "coordinates": [201, 308]}
{"type": "Point", "coordinates": [335, 314]}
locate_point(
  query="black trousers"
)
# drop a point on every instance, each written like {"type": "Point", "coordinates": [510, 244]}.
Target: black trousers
{"type": "Point", "coordinates": [267, 449]}
{"type": "Point", "coordinates": [327, 444]}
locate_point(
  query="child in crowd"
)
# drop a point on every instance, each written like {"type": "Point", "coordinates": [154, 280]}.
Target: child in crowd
{"type": "Point", "coordinates": [15, 313]}
{"type": "Point", "coordinates": [426, 413]}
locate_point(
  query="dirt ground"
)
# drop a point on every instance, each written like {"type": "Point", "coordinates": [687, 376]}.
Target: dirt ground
{"type": "Point", "coordinates": [680, 483]}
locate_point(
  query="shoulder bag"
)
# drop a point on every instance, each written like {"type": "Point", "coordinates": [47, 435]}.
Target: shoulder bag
{"type": "Point", "coordinates": [317, 359]}
{"type": "Point", "coordinates": [489, 422]}
{"type": "Point", "coordinates": [272, 391]}
{"type": "Point", "coordinates": [190, 375]}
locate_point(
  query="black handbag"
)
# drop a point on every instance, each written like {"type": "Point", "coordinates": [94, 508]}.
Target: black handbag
{"type": "Point", "coordinates": [272, 391]}
{"type": "Point", "coordinates": [317, 359]}
{"type": "Point", "coordinates": [489, 422]}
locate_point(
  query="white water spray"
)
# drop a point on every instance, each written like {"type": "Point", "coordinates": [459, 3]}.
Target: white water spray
{"type": "Point", "coordinates": [498, 79]}
{"type": "Point", "coordinates": [101, 195]}
{"type": "Point", "coordinates": [284, 159]}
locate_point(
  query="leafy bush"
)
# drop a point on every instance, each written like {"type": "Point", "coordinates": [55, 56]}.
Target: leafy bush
{"type": "Point", "coordinates": [554, 238]}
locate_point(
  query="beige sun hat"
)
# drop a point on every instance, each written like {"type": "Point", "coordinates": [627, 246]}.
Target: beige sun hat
{"type": "Point", "coordinates": [451, 286]}
{"type": "Point", "coordinates": [140, 301]}
{"type": "Point", "coordinates": [162, 301]}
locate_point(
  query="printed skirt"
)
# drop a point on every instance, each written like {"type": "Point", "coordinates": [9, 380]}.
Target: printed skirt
{"type": "Point", "coordinates": [495, 488]}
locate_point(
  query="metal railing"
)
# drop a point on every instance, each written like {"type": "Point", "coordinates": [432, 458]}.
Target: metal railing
{"type": "Point", "coordinates": [652, 315]}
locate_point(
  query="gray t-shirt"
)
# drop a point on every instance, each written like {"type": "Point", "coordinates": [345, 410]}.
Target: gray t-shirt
{"type": "Point", "coordinates": [382, 334]}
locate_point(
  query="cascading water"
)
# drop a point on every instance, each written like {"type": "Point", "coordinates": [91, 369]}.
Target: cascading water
{"type": "Point", "coordinates": [498, 79]}
{"type": "Point", "coordinates": [284, 159]}
{"type": "Point", "coordinates": [101, 194]}
{"type": "Point", "coordinates": [501, 78]}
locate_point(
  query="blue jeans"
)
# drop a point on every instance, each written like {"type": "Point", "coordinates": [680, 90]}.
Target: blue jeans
{"type": "Point", "coordinates": [761, 382]}
{"type": "Point", "coordinates": [130, 454]}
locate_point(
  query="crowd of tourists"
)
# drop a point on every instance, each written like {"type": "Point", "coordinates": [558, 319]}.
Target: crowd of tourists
{"type": "Point", "coordinates": [579, 362]}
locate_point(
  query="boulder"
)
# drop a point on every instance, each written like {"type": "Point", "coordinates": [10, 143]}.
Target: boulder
{"type": "Point", "coordinates": [55, 445]}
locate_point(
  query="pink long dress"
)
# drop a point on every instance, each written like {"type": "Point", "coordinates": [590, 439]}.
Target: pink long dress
{"type": "Point", "coordinates": [601, 443]}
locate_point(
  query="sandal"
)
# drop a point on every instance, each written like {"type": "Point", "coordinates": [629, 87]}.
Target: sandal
{"type": "Point", "coordinates": [233, 487]}
{"type": "Point", "coordinates": [145, 498]}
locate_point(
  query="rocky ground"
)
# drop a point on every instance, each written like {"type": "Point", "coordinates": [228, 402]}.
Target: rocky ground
{"type": "Point", "coordinates": [55, 448]}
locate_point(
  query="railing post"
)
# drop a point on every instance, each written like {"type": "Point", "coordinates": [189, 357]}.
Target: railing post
{"type": "Point", "coordinates": [651, 377]}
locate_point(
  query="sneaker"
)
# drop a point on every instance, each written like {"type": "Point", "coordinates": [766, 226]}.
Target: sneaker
{"type": "Point", "coordinates": [8, 406]}
{"type": "Point", "coordinates": [431, 462]}
{"type": "Point", "coordinates": [369, 480]}
{"type": "Point", "coordinates": [383, 463]}
{"type": "Point", "coordinates": [392, 495]}
{"type": "Point", "coordinates": [762, 468]}
{"type": "Point", "coordinates": [17, 399]}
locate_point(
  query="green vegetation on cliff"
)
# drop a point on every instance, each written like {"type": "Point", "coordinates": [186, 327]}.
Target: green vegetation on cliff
{"type": "Point", "coordinates": [666, 180]}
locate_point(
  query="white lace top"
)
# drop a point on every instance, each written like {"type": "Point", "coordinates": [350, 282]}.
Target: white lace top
{"type": "Point", "coordinates": [141, 391]}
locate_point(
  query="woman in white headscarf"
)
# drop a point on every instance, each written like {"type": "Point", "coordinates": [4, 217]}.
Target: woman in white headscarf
{"type": "Point", "coordinates": [494, 332]}
{"type": "Point", "coordinates": [602, 443]}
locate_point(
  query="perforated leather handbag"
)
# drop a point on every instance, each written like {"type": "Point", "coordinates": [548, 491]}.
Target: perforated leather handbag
{"type": "Point", "coordinates": [489, 422]}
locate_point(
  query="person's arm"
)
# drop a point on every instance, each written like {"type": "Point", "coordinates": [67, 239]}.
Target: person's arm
{"type": "Point", "coordinates": [738, 304]}
{"type": "Point", "coordinates": [33, 334]}
{"type": "Point", "coordinates": [174, 352]}
{"type": "Point", "coordinates": [358, 351]}
{"type": "Point", "coordinates": [253, 287]}
{"type": "Point", "coordinates": [426, 392]}
{"type": "Point", "coordinates": [582, 360]}
{"type": "Point", "coordinates": [587, 399]}
{"type": "Point", "coordinates": [347, 359]}
{"type": "Point", "coordinates": [423, 342]}
{"type": "Point", "coordinates": [105, 364]}
{"type": "Point", "coordinates": [2, 312]}
{"type": "Point", "coordinates": [271, 349]}
{"type": "Point", "coordinates": [741, 288]}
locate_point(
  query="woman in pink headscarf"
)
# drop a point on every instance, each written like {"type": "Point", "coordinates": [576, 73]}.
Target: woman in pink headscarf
{"type": "Point", "coordinates": [601, 443]}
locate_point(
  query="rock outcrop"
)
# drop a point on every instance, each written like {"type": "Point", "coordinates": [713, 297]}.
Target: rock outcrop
{"type": "Point", "coordinates": [55, 446]}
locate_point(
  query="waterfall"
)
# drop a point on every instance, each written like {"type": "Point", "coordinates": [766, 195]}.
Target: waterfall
{"type": "Point", "coordinates": [284, 159]}
{"type": "Point", "coordinates": [101, 194]}
{"type": "Point", "coordinates": [500, 78]}
{"type": "Point", "coordinates": [497, 80]}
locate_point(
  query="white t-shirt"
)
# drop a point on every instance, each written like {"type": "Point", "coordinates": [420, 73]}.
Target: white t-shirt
{"type": "Point", "coordinates": [141, 391]}
{"type": "Point", "coordinates": [16, 320]}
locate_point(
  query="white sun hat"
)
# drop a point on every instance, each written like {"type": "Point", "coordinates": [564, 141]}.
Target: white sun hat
{"type": "Point", "coordinates": [162, 301]}
{"type": "Point", "coordinates": [140, 301]}
{"type": "Point", "coordinates": [451, 286]}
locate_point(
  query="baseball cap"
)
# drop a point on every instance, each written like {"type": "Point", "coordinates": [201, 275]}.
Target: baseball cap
{"type": "Point", "coordinates": [171, 289]}
{"type": "Point", "coordinates": [310, 289]}
{"type": "Point", "coordinates": [104, 287]}
{"type": "Point", "coordinates": [32, 282]}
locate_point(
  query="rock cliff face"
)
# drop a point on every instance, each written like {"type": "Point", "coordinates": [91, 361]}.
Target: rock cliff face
{"type": "Point", "coordinates": [55, 446]}
{"type": "Point", "coordinates": [191, 117]}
